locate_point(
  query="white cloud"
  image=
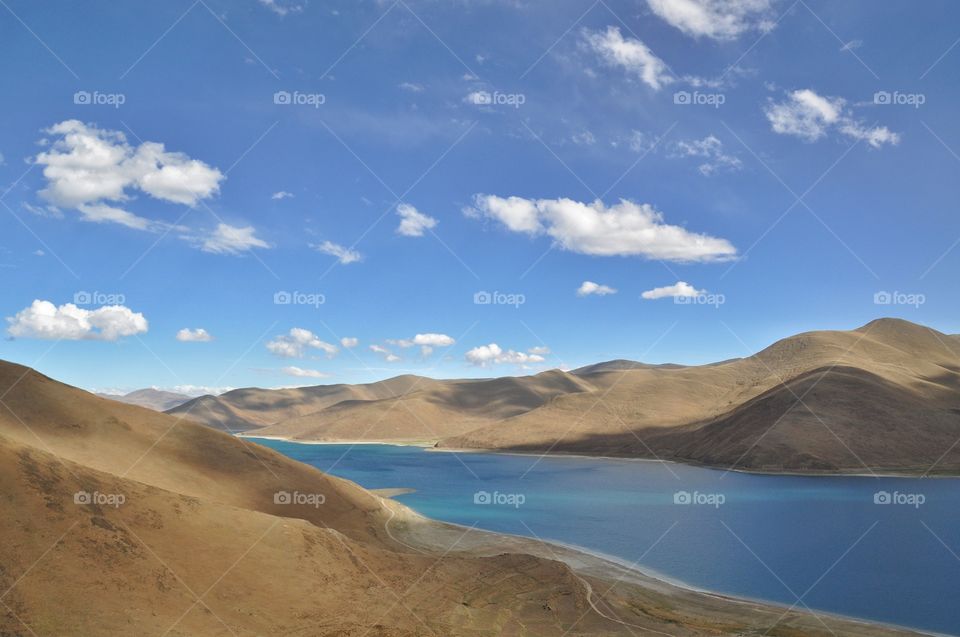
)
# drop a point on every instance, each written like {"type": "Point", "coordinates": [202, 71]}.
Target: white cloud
{"type": "Point", "coordinates": [282, 7]}
{"type": "Point", "coordinates": [44, 320]}
{"type": "Point", "coordinates": [103, 213]}
{"type": "Point", "coordinates": [413, 222]}
{"type": "Point", "coordinates": [852, 45]}
{"type": "Point", "coordinates": [412, 87]}
{"type": "Point", "coordinates": [428, 341]}
{"type": "Point", "coordinates": [228, 239]}
{"type": "Point", "coordinates": [679, 289]}
{"type": "Point", "coordinates": [710, 150]}
{"type": "Point", "coordinates": [623, 229]}
{"type": "Point", "coordinates": [87, 166]}
{"type": "Point", "coordinates": [343, 254]}
{"type": "Point", "coordinates": [493, 354]}
{"type": "Point", "coordinates": [631, 54]}
{"type": "Point", "coordinates": [281, 194]}
{"type": "Point", "coordinates": [717, 19]}
{"type": "Point", "coordinates": [810, 116]}
{"type": "Point", "coordinates": [297, 343]}
{"type": "Point", "coordinates": [540, 351]}
{"type": "Point", "coordinates": [299, 372]}
{"type": "Point", "coordinates": [589, 287]}
{"type": "Point", "coordinates": [388, 356]}
{"type": "Point", "coordinates": [349, 342]}
{"type": "Point", "coordinates": [199, 335]}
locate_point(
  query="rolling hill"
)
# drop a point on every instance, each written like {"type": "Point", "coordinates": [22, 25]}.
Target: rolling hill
{"type": "Point", "coordinates": [883, 397]}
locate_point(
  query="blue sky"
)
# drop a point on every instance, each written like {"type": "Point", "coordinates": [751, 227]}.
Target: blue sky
{"type": "Point", "coordinates": [721, 174]}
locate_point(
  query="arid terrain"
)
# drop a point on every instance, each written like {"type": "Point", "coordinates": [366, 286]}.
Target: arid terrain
{"type": "Point", "coordinates": [118, 520]}
{"type": "Point", "coordinates": [884, 397]}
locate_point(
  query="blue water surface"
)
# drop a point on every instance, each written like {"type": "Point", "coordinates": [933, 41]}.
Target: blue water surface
{"type": "Point", "coordinates": [884, 549]}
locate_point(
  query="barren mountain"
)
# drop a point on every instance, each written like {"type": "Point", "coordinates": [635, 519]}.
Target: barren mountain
{"type": "Point", "coordinates": [117, 520]}
{"type": "Point", "coordinates": [154, 399]}
{"type": "Point", "coordinates": [885, 397]}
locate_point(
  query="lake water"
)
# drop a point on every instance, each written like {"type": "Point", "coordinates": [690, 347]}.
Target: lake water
{"type": "Point", "coordinates": [886, 549]}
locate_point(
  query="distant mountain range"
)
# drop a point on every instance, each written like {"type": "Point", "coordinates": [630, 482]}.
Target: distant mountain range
{"type": "Point", "coordinates": [154, 399]}
{"type": "Point", "coordinates": [884, 397]}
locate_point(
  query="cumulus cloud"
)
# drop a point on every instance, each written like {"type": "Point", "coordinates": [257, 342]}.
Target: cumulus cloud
{"type": "Point", "coordinates": [629, 54]}
{"type": "Point", "coordinates": [716, 19]}
{"type": "Point", "coordinates": [298, 343]}
{"type": "Point", "coordinates": [493, 354]}
{"type": "Point", "coordinates": [387, 355]}
{"type": "Point", "coordinates": [227, 239]}
{"type": "Point", "coordinates": [710, 151]}
{"type": "Point", "coordinates": [679, 289]}
{"type": "Point", "coordinates": [411, 87]}
{"type": "Point", "coordinates": [87, 166]}
{"type": "Point", "coordinates": [199, 335]}
{"type": "Point", "coordinates": [413, 222]}
{"type": "Point", "coordinates": [299, 372]}
{"type": "Point", "coordinates": [44, 320]}
{"type": "Point", "coordinates": [810, 116]}
{"type": "Point", "coordinates": [589, 287]}
{"type": "Point", "coordinates": [540, 350]}
{"type": "Point", "coordinates": [623, 229]}
{"type": "Point", "coordinates": [343, 254]}
{"type": "Point", "coordinates": [282, 194]}
{"type": "Point", "coordinates": [349, 342]}
{"type": "Point", "coordinates": [426, 342]}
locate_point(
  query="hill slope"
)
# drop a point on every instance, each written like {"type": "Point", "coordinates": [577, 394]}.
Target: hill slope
{"type": "Point", "coordinates": [883, 397]}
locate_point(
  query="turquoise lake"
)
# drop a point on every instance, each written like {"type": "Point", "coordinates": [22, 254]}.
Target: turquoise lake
{"type": "Point", "coordinates": [886, 549]}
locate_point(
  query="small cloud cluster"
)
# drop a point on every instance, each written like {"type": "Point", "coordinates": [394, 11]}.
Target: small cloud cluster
{"type": "Point", "coordinates": [413, 222]}
{"type": "Point", "coordinates": [199, 335]}
{"type": "Point", "coordinates": [630, 54]}
{"type": "Point", "coordinates": [710, 151]}
{"type": "Point", "coordinates": [44, 320]}
{"type": "Point", "coordinates": [426, 342]}
{"type": "Point", "coordinates": [343, 254]}
{"type": "Point", "coordinates": [679, 290]}
{"type": "Point", "coordinates": [298, 343]}
{"type": "Point", "coordinates": [810, 116]}
{"type": "Point", "coordinates": [493, 354]}
{"type": "Point", "coordinates": [588, 288]}
{"type": "Point", "coordinates": [299, 372]}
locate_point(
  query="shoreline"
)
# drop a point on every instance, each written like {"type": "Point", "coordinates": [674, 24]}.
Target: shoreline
{"type": "Point", "coordinates": [585, 562]}
{"type": "Point", "coordinates": [430, 446]}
